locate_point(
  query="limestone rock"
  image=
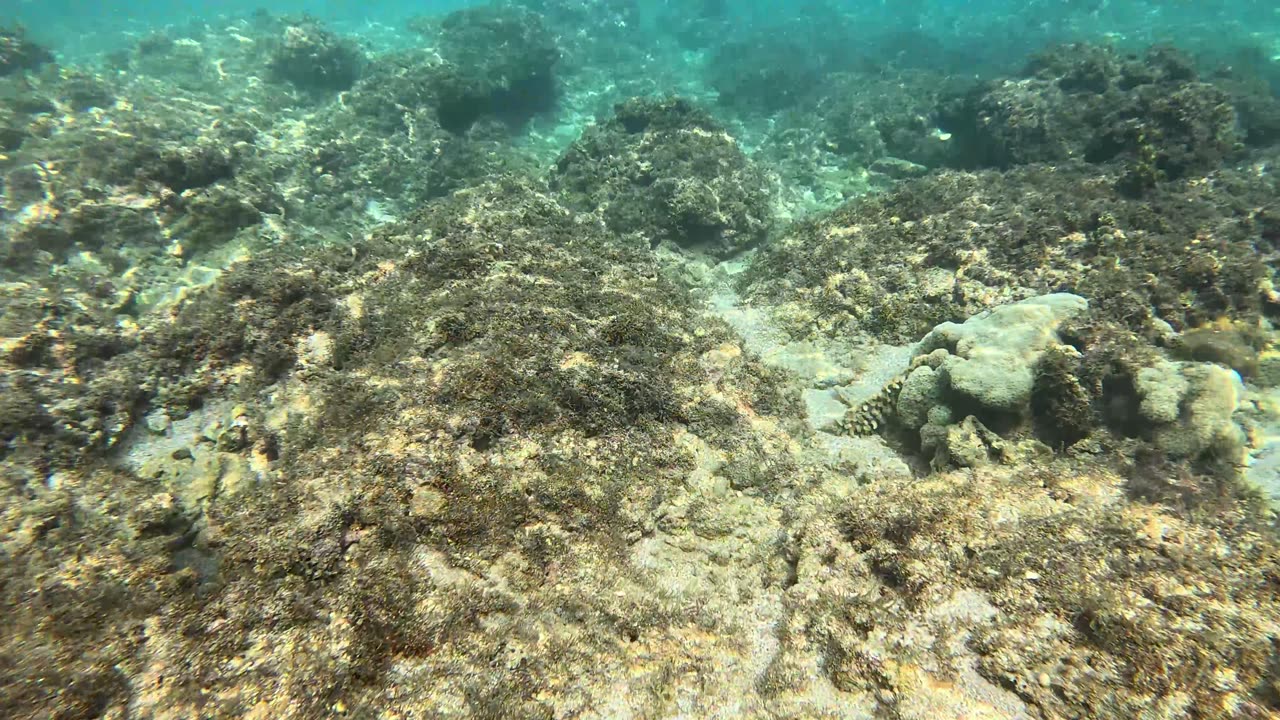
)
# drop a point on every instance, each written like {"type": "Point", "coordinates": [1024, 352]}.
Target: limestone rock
{"type": "Point", "coordinates": [993, 355]}
{"type": "Point", "coordinates": [1190, 408]}
{"type": "Point", "coordinates": [920, 392]}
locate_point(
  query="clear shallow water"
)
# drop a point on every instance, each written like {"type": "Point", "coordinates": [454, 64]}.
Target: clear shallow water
{"type": "Point", "coordinates": [86, 26]}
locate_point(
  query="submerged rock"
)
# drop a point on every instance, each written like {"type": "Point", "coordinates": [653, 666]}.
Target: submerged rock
{"type": "Point", "coordinates": [663, 168]}
{"type": "Point", "coordinates": [313, 58]}
{"type": "Point", "coordinates": [18, 53]}
{"type": "Point", "coordinates": [1092, 103]}
{"type": "Point", "coordinates": [503, 59]}
{"type": "Point", "coordinates": [321, 404]}
{"type": "Point", "coordinates": [949, 245]}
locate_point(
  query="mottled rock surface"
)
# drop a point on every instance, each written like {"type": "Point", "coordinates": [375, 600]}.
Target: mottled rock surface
{"type": "Point", "coordinates": [348, 399]}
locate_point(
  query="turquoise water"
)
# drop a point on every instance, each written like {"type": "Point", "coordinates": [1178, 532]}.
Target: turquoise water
{"type": "Point", "coordinates": [992, 26]}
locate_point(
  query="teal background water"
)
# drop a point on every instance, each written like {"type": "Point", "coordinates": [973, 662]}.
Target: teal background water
{"type": "Point", "coordinates": [74, 26]}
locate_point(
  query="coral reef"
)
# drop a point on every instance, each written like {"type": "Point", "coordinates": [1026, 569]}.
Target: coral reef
{"type": "Point", "coordinates": [504, 60]}
{"type": "Point", "coordinates": [990, 358]}
{"type": "Point", "coordinates": [980, 374]}
{"type": "Point", "coordinates": [665, 169]}
{"type": "Point", "coordinates": [949, 245]}
{"type": "Point", "coordinates": [18, 53]}
{"type": "Point", "coordinates": [1087, 102]}
{"type": "Point", "coordinates": [1004, 386]}
{"type": "Point", "coordinates": [1188, 407]}
{"type": "Point", "coordinates": [474, 372]}
{"type": "Point", "coordinates": [312, 58]}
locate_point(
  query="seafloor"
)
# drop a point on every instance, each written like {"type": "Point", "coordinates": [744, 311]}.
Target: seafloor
{"type": "Point", "coordinates": [515, 365]}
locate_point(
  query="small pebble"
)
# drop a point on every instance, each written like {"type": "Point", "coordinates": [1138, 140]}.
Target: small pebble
{"type": "Point", "coordinates": [720, 487]}
{"type": "Point", "coordinates": [158, 422]}
{"type": "Point", "coordinates": [55, 480]}
{"type": "Point", "coordinates": [211, 431]}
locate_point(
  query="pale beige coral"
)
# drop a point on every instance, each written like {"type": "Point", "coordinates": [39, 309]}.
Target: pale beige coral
{"type": "Point", "coordinates": [1190, 408]}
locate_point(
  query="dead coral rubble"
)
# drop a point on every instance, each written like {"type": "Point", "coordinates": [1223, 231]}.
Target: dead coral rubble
{"type": "Point", "coordinates": [497, 392]}
{"type": "Point", "coordinates": [949, 245]}
{"type": "Point", "coordinates": [1042, 584]}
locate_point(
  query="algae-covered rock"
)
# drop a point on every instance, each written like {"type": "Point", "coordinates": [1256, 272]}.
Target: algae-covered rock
{"type": "Point", "coordinates": [1268, 367]}
{"type": "Point", "coordinates": [1081, 101]}
{"type": "Point", "coordinates": [952, 244]}
{"type": "Point", "coordinates": [493, 62]}
{"type": "Point", "coordinates": [70, 387]}
{"type": "Point", "coordinates": [503, 59]}
{"type": "Point", "coordinates": [12, 130]}
{"type": "Point", "coordinates": [886, 120]}
{"type": "Point", "coordinates": [127, 184]}
{"type": "Point", "coordinates": [663, 168]}
{"type": "Point", "coordinates": [400, 90]}
{"type": "Point", "coordinates": [83, 91]}
{"type": "Point", "coordinates": [19, 53]}
{"type": "Point", "coordinates": [324, 404]}
{"type": "Point", "coordinates": [183, 61]}
{"type": "Point", "coordinates": [1041, 585]}
{"type": "Point", "coordinates": [313, 58]}
{"type": "Point", "coordinates": [765, 73]}
{"type": "Point", "coordinates": [1236, 345]}
{"type": "Point", "coordinates": [389, 148]}
{"type": "Point", "coordinates": [485, 435]}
